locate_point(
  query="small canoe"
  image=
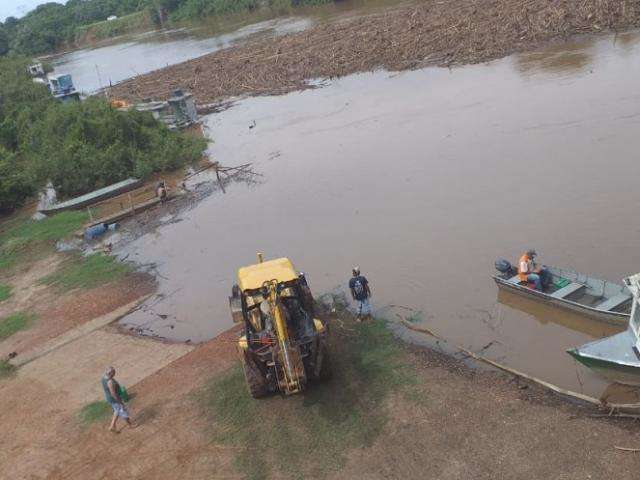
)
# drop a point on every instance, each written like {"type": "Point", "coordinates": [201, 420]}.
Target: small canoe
{"type": "Point", "coordinates": [599, 299]}
{"type": "Point", "coordinates": [616, 357]}
{"type": "Point", "coordinates": [93, 197]}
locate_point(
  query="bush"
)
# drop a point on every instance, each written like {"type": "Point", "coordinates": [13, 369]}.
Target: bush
{"type": "Point", "coordinates": [193, 9]}
{"type": "Point", "coordinates": [15, 184]}
{"type": "Point", "coordinates": [112, 28]}
{"type": "Point", "coordinates": [78, 146]}
{"type": "Point", "coordinates": [21, 101]}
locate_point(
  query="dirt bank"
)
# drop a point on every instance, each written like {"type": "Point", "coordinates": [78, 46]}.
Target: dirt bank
{"type": "Point", "coordinates": [443, 420]}
{"type": "Point", "coordinates": [56, 312]}
{"type": "Point", "coordinates": [433, 33]}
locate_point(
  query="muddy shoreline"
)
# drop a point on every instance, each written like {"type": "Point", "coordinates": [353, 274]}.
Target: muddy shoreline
{"type": "Point", "coordinates": [447, 413]}
{"type": "Point", "coordinates": [484, 423]}
{"type": "Point", "coordinates": [434, 33]}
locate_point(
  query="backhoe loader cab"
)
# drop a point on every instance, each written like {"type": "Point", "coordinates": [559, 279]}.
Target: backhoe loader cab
{"type": "Point", "coordinates": [282, 346]}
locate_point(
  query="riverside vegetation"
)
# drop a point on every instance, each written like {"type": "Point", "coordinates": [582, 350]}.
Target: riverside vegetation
{"type": "Point", "coordinates": [52, 26]}
{"type": "Point", "coordinates": [78, 147]}
{"type": "Point", "coordinates": [408, 36]}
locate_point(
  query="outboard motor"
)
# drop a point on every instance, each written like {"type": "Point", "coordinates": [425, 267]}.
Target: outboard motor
{"type": "Point", "coordinates": [505, 268]}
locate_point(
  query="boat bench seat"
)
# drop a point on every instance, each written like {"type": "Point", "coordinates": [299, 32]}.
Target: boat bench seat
{"type": "Point", "coordinates": [613, 302]}
{"type": "Point", "coordinates": [568, 290]}
{"type": "Point", "coordinates": [515, 280]}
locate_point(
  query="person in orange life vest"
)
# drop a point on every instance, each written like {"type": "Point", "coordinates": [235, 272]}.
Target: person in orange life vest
{"type": "Point", "coordinates": [529, 272]}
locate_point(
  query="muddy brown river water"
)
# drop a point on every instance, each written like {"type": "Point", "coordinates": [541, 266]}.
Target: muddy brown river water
{"type": "Point", "coordinates": [114, 60]}
{"type": "Point", "coordinates": [423, 179]}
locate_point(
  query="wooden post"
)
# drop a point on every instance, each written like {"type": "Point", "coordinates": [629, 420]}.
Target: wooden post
{"type": "Point", "coordinates": [133, 210]}
{"type": "Point", "coordinates": [90, 214]}
{"type": "Point", "coordinates": [219, 180]}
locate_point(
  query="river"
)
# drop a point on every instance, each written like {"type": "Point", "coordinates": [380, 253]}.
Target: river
{"type": "Point", "coordinates": [114, 60]}
{"type": "Point", "coordinates": [423, 179]}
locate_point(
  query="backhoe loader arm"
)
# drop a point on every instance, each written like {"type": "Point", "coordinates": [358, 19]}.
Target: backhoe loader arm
{"type": "Point", "coordinates": [288, 354]}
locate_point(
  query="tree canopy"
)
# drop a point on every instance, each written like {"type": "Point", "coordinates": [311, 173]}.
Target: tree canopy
{"type": "Point", "coordinates": [78, 146]}
{"type": "Point", "coordinates": [53, 25]}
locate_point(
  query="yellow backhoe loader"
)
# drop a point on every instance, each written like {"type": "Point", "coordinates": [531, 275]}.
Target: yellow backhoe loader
{"type": "Point", "coordinates": [282, 347]}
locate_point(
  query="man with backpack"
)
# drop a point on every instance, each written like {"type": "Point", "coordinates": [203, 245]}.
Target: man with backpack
{"type": "Point", "coordinates": [360, 291]}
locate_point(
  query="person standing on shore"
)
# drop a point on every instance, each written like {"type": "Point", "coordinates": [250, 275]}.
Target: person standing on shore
{"type": "Point", "coordinates": [360, 291]}
{"type": "Point", "coordinates": [112, 395]}
{"type": "Point", "coordinates": [161, 191]}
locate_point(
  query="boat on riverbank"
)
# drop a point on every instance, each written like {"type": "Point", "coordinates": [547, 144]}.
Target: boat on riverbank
{"type": "Point", "coordinates": [617, 357]}
{"type": "Point", "coordinates": [599, 299]}
{"type": "Point", "coordinates": [93, 197]}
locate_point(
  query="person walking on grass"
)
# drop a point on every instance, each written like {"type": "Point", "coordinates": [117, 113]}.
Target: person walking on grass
{"type": "Point", "coordinates": [112, 394]}
{"type": "Point", "coordinates": [360, 291]}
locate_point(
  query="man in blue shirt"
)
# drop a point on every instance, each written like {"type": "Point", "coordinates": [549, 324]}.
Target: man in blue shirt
{"type": "Point", "coordinates": [360, 291]}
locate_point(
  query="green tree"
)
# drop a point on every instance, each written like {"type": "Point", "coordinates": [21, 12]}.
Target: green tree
{"type": "Point", "coordinates": [21, 101]}
{"type": "Point", "coordinates": [42, 29]}
{"type": "Point", "coordinates": [10, 24]}
{"type": "Point", "coordinates": [77, 146]}
{"type": "Point", "coordinates": [51, 25]}
{"type": "Point", "coordinates": [4, 41]}
{"type": "Point", "coordinates": [83, 146]}
{"type": "Point", "coordinates": [15, 184]}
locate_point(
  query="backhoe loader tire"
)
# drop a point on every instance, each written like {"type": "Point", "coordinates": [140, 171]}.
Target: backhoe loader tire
{"type": "Point", "coordinates": [256, 383]}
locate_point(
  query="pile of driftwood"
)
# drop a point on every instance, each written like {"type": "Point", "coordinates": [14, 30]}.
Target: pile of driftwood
{"type": "Point", "coordinates": [442, 32]}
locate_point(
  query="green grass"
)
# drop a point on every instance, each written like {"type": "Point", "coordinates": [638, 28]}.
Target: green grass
{"type": "Point", "coordinates": [6, 369]}
{"type": "Point", "coordinates": [94, 412]}
{"type": "Point", "coordinates": [5, 292]}
{"type": "Point", "coordinates": [86, 272]}
{"type": "Point", "coordinates": [310, 435]}
{"type": "Point", "coordinates": [23, 239]}
{"type": "Point", "coordinates": [14, 323]}
{"type": "Point", "coordinates": [112, 28]}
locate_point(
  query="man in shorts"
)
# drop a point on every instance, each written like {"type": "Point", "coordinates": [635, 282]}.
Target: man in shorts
{"type": "Point", "coordinates": [360, 291]}
{"type": "Point", "coordinates": [112, 395]}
